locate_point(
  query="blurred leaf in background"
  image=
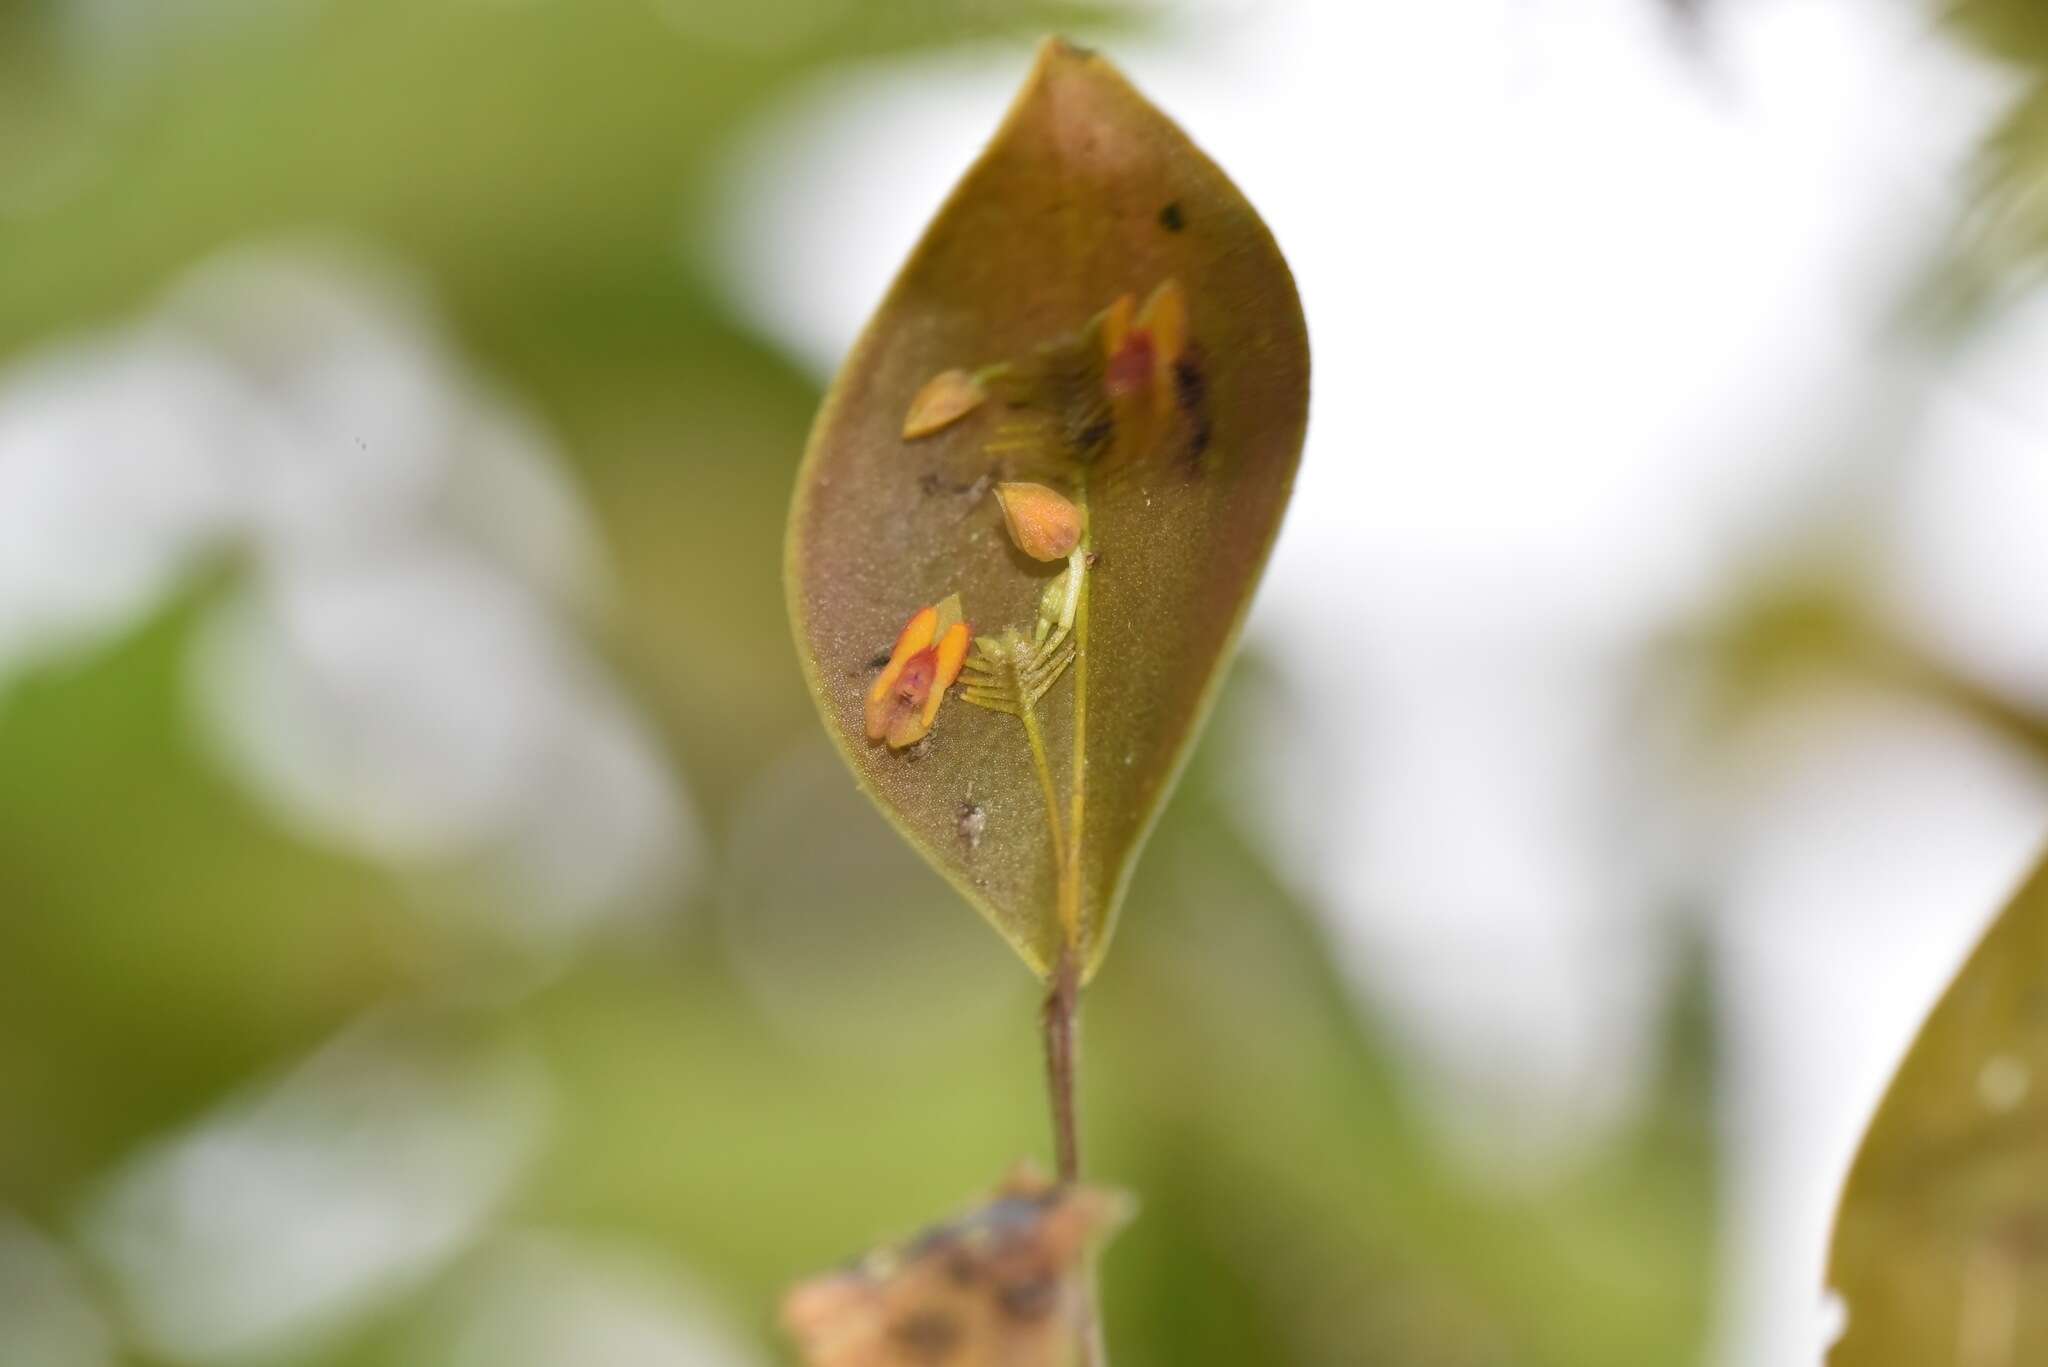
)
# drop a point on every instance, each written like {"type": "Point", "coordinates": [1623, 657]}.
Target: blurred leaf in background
{"type": "Point", "coordinates": [2004, 235]}
{"type": "Point", "coordinates": [1941, 1244]}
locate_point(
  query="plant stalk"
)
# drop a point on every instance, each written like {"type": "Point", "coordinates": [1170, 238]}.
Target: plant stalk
{"type": "Point", "coordinates": [1062, 1013]}
{"type": "Point", "coordinates": [1062, 1073]}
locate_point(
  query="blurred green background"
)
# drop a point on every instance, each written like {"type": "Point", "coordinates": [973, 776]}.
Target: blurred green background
{"type": "Point", "coordinates": [432, 925]}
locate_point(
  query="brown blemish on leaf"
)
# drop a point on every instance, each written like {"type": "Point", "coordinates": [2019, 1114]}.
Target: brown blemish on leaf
{"type": "Point", "coordinates": [1171, 218]}
{"type": "Point", "coordinates": [1189, 389]}
{"type": "Point", "coordinates": [1191, 397]}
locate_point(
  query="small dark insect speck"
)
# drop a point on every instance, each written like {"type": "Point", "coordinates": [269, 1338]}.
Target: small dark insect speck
{"type": "Point", "coordinates": [1094, 559]}
{"type": "Point", "coordinates": [973, 820]}
{"type": "Point", "coordinates": [1171, 218]}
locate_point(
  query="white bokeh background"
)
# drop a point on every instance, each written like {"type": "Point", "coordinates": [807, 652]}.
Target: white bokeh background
{"type": "Point", "coordinates": [1604, 315]}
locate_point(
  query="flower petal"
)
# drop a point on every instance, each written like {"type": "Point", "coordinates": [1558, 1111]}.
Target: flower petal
{"type": "Point", "coordinates": [917, 634]}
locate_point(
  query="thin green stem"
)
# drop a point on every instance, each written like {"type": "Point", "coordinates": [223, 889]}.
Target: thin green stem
{"type": "Point", "coordinates": [1070, 866]}
{"type": "Point", "coordinates": [1062, 1063]}
{"type": "Point", "coordinates": [1035, 738]}
{"type": "Point", "coordinates": [1062, 1070]}
{"type": "Point", "coordinates": [1067, 978]}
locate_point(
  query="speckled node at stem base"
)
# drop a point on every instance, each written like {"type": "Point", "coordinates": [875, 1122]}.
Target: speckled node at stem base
{"type": "Point", "coordinates": [1002, 1285]}
{"type": "Point", "coordinates": [1096, 313]}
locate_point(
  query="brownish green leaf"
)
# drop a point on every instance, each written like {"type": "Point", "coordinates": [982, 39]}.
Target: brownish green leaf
{"type": "Point", "coordinates": [1097, 311]}
{"type": "Point", "coordinates": [1941, 1245]}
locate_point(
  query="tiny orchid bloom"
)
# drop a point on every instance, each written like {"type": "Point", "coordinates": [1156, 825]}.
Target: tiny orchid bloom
{"type": "Point", "coordinates": [1045, 524]}
{"type": "Point", "coordinates": [905, 700]}
{"type": "Point", "coordinates": [1139, 354]}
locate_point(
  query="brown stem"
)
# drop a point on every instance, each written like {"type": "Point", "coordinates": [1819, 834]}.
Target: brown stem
{"type": "Point", "coordinates": [1062, 1069]}
{"type": "Point", "coordinates": [1062, 1012]}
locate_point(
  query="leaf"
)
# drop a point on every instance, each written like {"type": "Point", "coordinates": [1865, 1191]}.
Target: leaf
{"type": "Point", "coordinates": [1175, 427]}
{"type": "Point", "coordinates": [2013, 29]}
{"type": "Point", "coordinates": [1941, 1243]}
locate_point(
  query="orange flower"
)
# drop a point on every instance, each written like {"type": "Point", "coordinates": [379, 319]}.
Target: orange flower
{"type": "Point", "coordinates": [905, 699]}
{"type": "Point", "coordinates": [1139, 353]}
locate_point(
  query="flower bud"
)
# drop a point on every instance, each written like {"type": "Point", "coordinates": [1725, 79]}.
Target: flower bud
{"type": "Point", "coordinates": [1045, 524]}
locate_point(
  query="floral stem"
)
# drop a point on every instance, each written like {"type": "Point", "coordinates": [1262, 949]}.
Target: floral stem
{"type": "Point", "coordinates": [1062, 1020]}
{"type": "Point", "coordinates": [1035, 738]}
{"type": "Point", "coordinates": [1063, 1001]}
{"type": "Point", "coordinates": [1062, 1073]}
{"type": "Point", "coordinates": [1070, 865]}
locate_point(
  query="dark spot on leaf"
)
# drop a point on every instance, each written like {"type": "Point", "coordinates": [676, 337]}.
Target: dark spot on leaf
{"type": "Point", "coordinates": [1092, 440]}
{"type": "Point", "coordinates": [1191, 394]}
{"type": "Point", "coordinates": [929, 484]}
{"type": "Point", "coordinates": [1171, 218]}
{"type": "Point", "coordinates": [878, 660]}
{"type": "Point", "coordinates": [1029, 1299]}
{"type": "Point", "coordinates": [927, 1335]}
